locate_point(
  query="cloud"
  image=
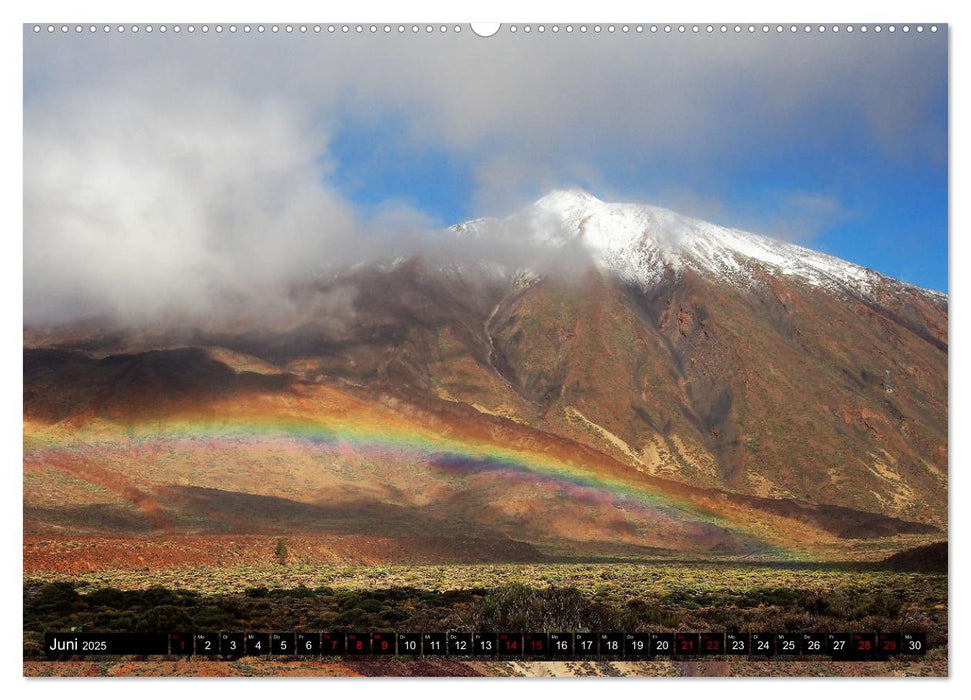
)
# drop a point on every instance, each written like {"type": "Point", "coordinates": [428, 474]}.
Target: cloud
{"type": "Point", "coordinates": [797, 216]}
{"type": "Point", "coordinates": [558, 97]}
{"type": "Point", "coordinates": [206, 210]}
{"type": "Point", "coordinates": [178, 174]}
{"type": "Point", "coordinates": [135, 208]}
{"type": "Point", "coordinates": [804, 215]}
{"type": "Point", "coordinates": [505, 182]}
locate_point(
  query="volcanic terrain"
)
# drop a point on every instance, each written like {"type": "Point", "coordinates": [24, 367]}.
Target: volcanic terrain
{"type": "Point", "coordinates": [667, 388]}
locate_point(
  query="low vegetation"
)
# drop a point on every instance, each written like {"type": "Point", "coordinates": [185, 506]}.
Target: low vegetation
{"type": "Point", "coordinates": [567, 598]}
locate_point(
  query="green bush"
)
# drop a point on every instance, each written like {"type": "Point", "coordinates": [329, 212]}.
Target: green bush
{"type": "Point", "coordinates": [371, 605]}
{"type": "Point", "coordinates": [520, 607]}
{"type": "Point", "coordinates": [108, 597]}
{"type": "Point", "coordinates": [642, 613]}
{"type": "Point", "coordinates": [60, 596]}
{"type": "Point", "coordinates": [156, 596]}
{"type": "Point", "coordinates": [164, 618]}
{"type": "Point", "coordinates": [281, 553]}
{"type": "Point", "coordinates": [211, 618]}
{"type": "Point", "coordinates": [122, 623]}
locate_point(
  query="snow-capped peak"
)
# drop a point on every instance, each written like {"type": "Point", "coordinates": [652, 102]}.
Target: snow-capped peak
{"type": "Point", "coordinates": [565, 200]}
{"type": "Point", "coordinates": [640, 242]}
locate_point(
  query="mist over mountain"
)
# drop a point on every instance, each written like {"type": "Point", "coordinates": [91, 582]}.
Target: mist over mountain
{"type": "Point", "coordinates": [687, 351]}
{"type": "Point", "coordinates": [178, 181]}
{"type": "Point", "coordinates": [562, 235]}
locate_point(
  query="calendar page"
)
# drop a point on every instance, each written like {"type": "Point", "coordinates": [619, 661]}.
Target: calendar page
{"type": "Point", "coordinates": [450, 349]}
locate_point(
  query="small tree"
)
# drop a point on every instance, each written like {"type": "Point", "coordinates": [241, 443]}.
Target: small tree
{"type": "Point", "coordinates": [281, 552]}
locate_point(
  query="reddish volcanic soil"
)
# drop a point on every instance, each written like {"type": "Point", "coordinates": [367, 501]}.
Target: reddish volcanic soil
{"type": "Point", "coordinates": [934, 664]}
{"type": "Point", "coordinates": [89, 554]}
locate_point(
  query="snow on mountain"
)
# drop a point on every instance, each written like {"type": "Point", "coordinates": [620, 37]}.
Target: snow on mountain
{"type": "Point", "coordinates": [640, 242]}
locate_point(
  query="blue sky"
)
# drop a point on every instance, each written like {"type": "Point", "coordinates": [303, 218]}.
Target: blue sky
{"type": "Point", "coordinates": [881, 209]}
{"type": "Point", "coordinates": [171, 171]}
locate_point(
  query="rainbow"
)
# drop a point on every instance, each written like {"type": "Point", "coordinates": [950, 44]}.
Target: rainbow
{"type": "Point", "coordinates": [372, 437]}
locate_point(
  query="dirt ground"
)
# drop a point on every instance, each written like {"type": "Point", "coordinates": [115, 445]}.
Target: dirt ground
{"type": "Point", "coordinates": [933, 665]}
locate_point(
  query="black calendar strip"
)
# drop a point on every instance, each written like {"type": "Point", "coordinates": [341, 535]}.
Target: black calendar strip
{"type": "Point", "coordinates": [840, 646]}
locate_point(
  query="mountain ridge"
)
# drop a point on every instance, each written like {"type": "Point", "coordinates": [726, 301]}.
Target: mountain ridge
{"type": "Point", "coordinates": [639, 240]}
{"type": "Point", "coordinates": [820, 402]}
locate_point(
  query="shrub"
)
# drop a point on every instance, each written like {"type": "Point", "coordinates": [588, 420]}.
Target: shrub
{"type": "Point", "coordinates": [354, 616]}
{"type": "Point", "coordinates": [213, 618]}
{"type": "Point", "coordinates": [122, 623]}
{"type": "Point", "coordinates": [519, 607]}
{"type": "Point", "coordinates": [164, 618]}
{"type": "Point", "coordinates": [156, 596]}
{"type": "Point", "coordinates": [107, 597]}
{"type": "Point", "coordinates": [59, 596]}
{"type": "Point", "coordinates": [281, 552]}
{"type": "Point", "coordinates": [641, 613]}
{"type": "Point", "coordinates": [371, 605]}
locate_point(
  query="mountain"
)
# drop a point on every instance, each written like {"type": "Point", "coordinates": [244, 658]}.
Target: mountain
{"type": "Point", "coordinates": [630, 380]}
{"type": "Point", "coordinates": [716, 356]}
{"type": "Point", "coordinates": [643, 244]}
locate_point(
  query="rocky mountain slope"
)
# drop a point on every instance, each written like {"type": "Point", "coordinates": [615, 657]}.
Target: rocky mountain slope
{"type": "Point", "coordinates": [675, 349]}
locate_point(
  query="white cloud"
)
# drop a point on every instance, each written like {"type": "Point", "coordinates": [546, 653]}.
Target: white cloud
{"type": "Point", "coordinates": [189, 174]}
{"type": "Point", "coordinates": [135, 207]}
